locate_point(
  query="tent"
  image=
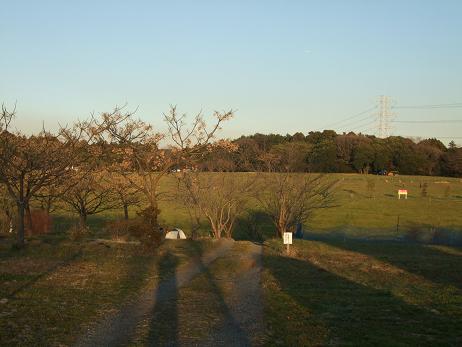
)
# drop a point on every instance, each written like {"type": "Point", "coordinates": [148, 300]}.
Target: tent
{"type": "Point", "coordinates": [175, 234]}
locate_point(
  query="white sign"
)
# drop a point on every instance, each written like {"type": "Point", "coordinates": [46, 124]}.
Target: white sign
{"type": "Point", "coordinates": [287, 238]}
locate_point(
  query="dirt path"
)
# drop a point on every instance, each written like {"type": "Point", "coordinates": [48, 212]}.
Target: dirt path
{"type": "Point", "coordinates": [243, 325]}
{"type": "Point", "coordinates": [118, 329]}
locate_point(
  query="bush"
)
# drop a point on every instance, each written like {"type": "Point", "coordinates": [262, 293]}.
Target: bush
{"type": "Point", "coordinates": [248, 227]}
{"type": "Point", "coordinates": [137, 229]}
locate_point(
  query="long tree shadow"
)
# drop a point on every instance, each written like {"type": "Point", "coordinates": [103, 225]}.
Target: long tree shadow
{"type": "Point", "coordinates": [229, 333]}
{"type": "Point", "coordinates": [223, 329]}
{"type": "Point", "coordinates": [163, 329]}
{"type": "Point", "coordinates": [427, 261]}
{"type": "Point", "coordinates": [335, 310]}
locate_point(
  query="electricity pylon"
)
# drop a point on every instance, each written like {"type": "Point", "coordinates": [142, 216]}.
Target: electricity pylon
{"type": "Point", "coordinates": [384, 116]}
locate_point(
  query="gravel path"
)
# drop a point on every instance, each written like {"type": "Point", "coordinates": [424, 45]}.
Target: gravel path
{"type": "Point", "coordinates": [118, 329]}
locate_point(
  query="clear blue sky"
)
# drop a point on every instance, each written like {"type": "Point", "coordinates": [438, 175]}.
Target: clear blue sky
{"type": "Point", "coordinates": [286, 66]}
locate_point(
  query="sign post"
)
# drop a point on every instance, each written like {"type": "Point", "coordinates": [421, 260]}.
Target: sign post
{"type": "Point", "coordinates": [402, 192]}
{"type": "Point", "coordinates": [288, 240]}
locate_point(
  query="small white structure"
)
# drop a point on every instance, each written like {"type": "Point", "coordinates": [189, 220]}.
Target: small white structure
{"type": "Point", "coordinates": [175, 234]}
{"type": "Point", "coordinates": [287, 238]}
{"type": "Point", "coordinates": [402, 192]}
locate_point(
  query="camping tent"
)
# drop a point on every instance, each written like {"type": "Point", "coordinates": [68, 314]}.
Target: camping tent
{"type": "Point", "coordinates": [175, 234]}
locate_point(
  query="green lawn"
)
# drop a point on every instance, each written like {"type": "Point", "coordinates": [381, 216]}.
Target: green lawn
{"type": "Point", "coordinates": [363, 212]}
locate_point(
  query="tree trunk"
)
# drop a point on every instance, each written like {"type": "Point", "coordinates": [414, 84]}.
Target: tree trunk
{"type": "Point", "coordinates": [154, 215]}
{"type": "Point", "coordinates": [83, 220]}
{"type": "Point", "coordinates": [20, 240]}
{"type": "Point", "coordinates": [48, 206]}
{"type": "Point", "coordinates": [28, 218]}
{"type": "Point", "coordinates": [125, 211]}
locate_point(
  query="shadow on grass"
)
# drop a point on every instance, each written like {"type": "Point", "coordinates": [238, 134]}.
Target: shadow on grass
{"type": "Point", "coordinates": [317, 307]}
{"type": "Point", "coordinates": [28, 284]}
{"type": "Point", "coordinates": [254, 226]}
{"type": "Point", "coordinates": [424, 260]}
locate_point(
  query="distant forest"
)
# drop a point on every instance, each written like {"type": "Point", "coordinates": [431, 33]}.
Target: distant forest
{"type": "Point", "coordinates": [328, 151]}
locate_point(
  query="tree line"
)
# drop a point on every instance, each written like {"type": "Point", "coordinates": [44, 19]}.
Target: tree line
{"type": "Point", "coordinates": [328, 151]}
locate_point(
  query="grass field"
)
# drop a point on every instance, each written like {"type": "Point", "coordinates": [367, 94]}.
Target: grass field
{"type": "Point", "coordinates": [372, 213]}
{"type": "Point", "coordinates": [363, 293]}
{"type": "Point", "coordinates": [367, 207]}
{"type": "Point", "coordinates": [55, 288]}
{"type": "Point", "coordinates": [351, 283]}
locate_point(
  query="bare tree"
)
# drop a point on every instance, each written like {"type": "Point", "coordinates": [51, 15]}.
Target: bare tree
{"type": "Point", "coordinates": [143, 157]}
{"type": "Point", "coordinates": [190, 203]}
{"type": "Point", "coordinates": [290, 199]}
{"type": "Point", "coordinates": [126, 193]}
{"type": "Point", "coordinates": [48, 196]}
{"type": "Point", "coordinates": [28, 164]}
{"type": "Point", "coordinates": [88, 196]}
{"type": "Point", "coordinates": [219, 197]}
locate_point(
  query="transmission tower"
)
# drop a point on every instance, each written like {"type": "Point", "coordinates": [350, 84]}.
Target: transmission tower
{"type": "Point", "coordinates": [384, 117]}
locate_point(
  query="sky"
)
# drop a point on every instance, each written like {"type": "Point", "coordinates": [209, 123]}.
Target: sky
{"type": "Point", "coordinates": [284, 66]}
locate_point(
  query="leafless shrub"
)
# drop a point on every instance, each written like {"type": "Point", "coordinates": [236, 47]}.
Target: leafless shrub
{"type": "Point", "coordinates": [292, 198]}
{"type": "Point", "coordinates": [77, 232]}
{"type": "Point", "coordinates": [219, 197]}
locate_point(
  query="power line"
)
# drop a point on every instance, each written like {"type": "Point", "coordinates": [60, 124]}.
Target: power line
{"type": "Point", "coordinates": [384, 117]}
{"type": "Point", "coordinates": [357, 121]}
{"type": "Point", "coordinates": [367, 131]}
{"type": "Point", "coordinates": [362, 126]}
{"type": "Point", "coordinates": [433, 137]}
{"type": "Point", "coordinates": [348, 118]}
{"type": "Point", "coordinates": [432, 106]}
{"type": "Point", "coordinates": [449, 137]}
{"type": "Point", "coordinates": [429, 121]}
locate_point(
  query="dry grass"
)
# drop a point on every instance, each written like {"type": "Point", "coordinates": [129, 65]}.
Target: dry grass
{"type": "Point", "coordinates": [54, 292]}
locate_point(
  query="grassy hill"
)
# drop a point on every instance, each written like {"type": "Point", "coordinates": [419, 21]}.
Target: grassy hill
{"type": "Point", "coordinates": [367, 206]}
